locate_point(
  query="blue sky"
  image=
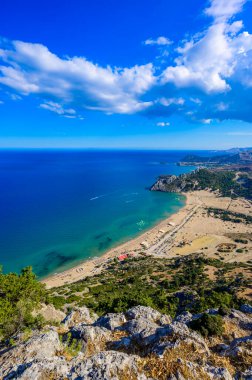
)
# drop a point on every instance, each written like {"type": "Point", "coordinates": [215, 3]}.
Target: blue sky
{"type": "Point", "coordinates": [133, 74]}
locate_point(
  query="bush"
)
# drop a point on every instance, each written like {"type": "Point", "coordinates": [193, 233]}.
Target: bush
{"type": "Point", "coordinates": [208, 325]}
{"type": "Point", "coordinates": [224, 310]}
{"type": "Point", "coordinates": [57, 301]}
{"type": "Point", "coordinates": [19, 296]}
{"type": "Point", "coordinates": [242, 241]}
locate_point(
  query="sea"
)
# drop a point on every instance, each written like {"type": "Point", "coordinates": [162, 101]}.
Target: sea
{"type": "Point", "coordinates": [61, 207]}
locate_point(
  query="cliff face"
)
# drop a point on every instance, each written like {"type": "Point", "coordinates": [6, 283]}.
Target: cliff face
{"type": "Point", "coordinates": [139, 344]}
{"type": "Point", "coordinates": [174, 184]}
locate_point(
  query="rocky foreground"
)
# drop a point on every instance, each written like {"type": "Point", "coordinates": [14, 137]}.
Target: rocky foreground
{"type": "Point", "coordinates": [141, 344]}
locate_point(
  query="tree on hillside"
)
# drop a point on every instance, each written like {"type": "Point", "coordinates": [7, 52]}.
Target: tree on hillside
{"type": "Point", "coordinates": [20, 294]}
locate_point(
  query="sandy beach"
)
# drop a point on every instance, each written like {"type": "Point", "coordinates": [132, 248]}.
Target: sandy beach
{"type": "Point", "coordinates": [188, 231]}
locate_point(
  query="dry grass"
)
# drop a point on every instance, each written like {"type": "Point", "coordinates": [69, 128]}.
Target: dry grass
{"type": "Point", "coordinates": [127, 374]}
{"type": "Point", "coordinates": [172, 362]}
{"type": "Point", "coordinates": [232, 329]}
{"type": "Point", "coordinates": [177, 359]}
{"type": "Point", "coordinates": [93, 347]}
{"type": "Point", "coordinates": [49, 375]}
{"type": "Point", "coordinates": [220, 361]}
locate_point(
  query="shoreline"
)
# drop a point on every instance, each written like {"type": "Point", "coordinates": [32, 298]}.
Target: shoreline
{"type": "Point", "coordinates": [188, 231]}
{"type": "Point", "coordinates": [89, 267]}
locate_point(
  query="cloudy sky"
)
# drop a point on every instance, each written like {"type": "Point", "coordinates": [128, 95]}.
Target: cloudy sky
{"type": "Point", "coordinates": [144, 74]}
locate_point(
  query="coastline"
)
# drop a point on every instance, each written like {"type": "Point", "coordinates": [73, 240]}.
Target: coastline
{"type": "Point", "coordinates": [94, 265]}
{"type": "Point", "coordinates": [189, 230]}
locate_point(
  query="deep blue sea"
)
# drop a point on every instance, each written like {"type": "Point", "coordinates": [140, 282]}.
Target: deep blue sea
{"type": "Point", "coordinates": [60, 207]}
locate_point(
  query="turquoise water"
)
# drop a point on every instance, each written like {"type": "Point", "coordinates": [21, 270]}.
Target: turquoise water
{"type": "Point", "coordinates": [59, 208]}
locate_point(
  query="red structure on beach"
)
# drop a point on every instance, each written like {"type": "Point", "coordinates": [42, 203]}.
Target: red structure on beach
{"type": "Point", "coordinates": [122, 257]}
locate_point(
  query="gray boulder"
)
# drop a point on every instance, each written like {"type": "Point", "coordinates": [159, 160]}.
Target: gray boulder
{"type": "Point", "coordinates": [79, 315]}
{"type": "Point", "coordinates": [238, 347]}
{"type": "Point", "coordinates": [185, 317]}
{"type": "Point", "coordinates": [176, 333]}
{"type": "Point", "coordinates": [52, 368]}
{"type": "Point", "coordinates": [93, 338]}
{"type": "Point", "coordinates": [148, 313]}
{"type": "Point", "coordinates": [39, 347]}
{"type": "Point", "coordinates": [109, 365]}
{"type": "Point", "coordinates": [49, 313]}
{"type": "Point", "coordinates": [142, 331]}
{"type": "Point", "coordinates": [111, 321]}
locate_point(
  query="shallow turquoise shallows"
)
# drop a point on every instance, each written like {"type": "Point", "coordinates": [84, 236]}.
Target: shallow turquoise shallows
{"type": "Point", "coordinates": [61, 207]}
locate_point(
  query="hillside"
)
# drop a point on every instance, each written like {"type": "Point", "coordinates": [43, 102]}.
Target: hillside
{"type": "Point", "coordinates": [193, 323]}
{"type": "Point", "coordinates": [238, 157]}
{"type": "Point", "coordinates": [227, 182]}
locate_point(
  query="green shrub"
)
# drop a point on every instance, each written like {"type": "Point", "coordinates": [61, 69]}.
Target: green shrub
{"type": "Point", "coordinates": [19, 296]}
{"type": "Point", "coordinates": [57, 301]}
{"type": "Point", "coordinates": [242, 241]}
{"type": "Point", "coordinates": [208, 325]}
{"type": "Point", "coordinates": [224, 310]}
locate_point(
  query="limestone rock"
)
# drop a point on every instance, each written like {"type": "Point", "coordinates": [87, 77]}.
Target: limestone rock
{"type": "Point", "coordinates": [53, 368]}
{"type": "Point", "coordinates": [49, 313]}
{"type": "Point", "coordinates": [142, 331]}
{"type": "Point", "coordinates": [185, 317]}
{"type": "Point", "coordinates": [109, 365]}
{"type": "Point", "coordinates": [79, 315]}
{"type": "Point", "coordinates": [93, 338]}
{"type": "Point", "coordinates": [145, 313]}
{"type": "Point", "coordinates": [40, 346]}
{"type": "Point", "coordinates": [111, 321]}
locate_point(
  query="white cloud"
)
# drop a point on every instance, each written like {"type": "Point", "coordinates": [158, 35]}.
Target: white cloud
{"type": "Point", "coordinates": [32, 69]}
{"type": "Point", "coordinates": [224, 9]}
{"type": "Point", "coordinates": [208, 60]}
{"type": "Point", "coordinates": [161, 41]}
{"type": "Point", "coordinates": [15, 97]}
{"type": "Point", "coordinates": [163, 124]}
{"type": "Point", "coordinates": [166, 102]}
{"type": "Point", "coordinates": [196, 101]}
{"type": "Point", "coordinates": [222, 106]}
{"type": "Point", "coordinates": [208, 77]}
{"type": "Point", "coordinates": [57, 108]}
{"type": "Point", "coordinates": [206, 121]}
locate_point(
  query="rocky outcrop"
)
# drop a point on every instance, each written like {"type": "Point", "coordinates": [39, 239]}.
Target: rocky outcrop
{"type": "Point", "coordinates": [175, 184]}
{"type": "Point", "coordinates": [38, 349]}
{"type": "Point", "coordinates": [111, 321]}
{"type": "Point", "coordinates": [80, 315]}
{"type": "Point", "coordinates": [108, 365]}
{"type": "Point", "coordinates": [50, 314]}
{"type": "Point", "coordinates": [141, 343]}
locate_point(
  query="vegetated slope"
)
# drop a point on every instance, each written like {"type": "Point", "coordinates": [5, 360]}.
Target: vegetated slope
{"type": "Point", "coordinates": [198, 328]}
{"type": "Point", "coordinates": [228, 183]}
{"type": "Point", "coordinates": [168, 285]}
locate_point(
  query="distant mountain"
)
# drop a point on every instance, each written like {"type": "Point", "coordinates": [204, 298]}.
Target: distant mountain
{"type": "Point", "coordinates": [237, 150]}
{"type": "Point", "coordinates": [242, 157]}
